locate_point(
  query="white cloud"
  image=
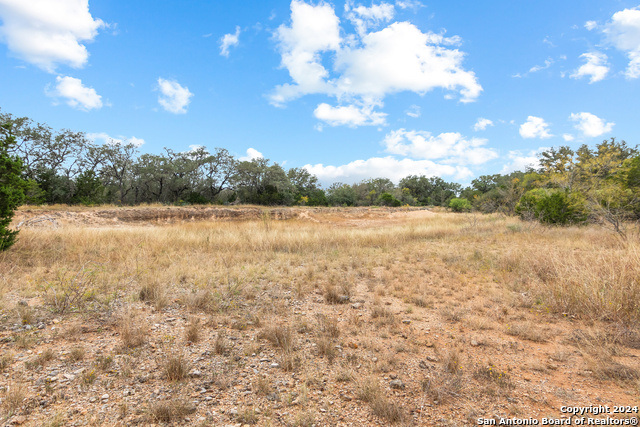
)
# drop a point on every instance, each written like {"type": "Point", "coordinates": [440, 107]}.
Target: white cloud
{"type": "Point", "coordinates": [520, 161]}
{"type": "Point", "coordinates": [590, 25]}
{"type": "Point", "coordinates": [624, 32]}
{"type": "Point", "coordinates": [535, 127]}
{"type": "Point", "coordinates": [349, 115]}
{"type": "Point", "coordinates": [46, 33]}
{"type": "Point", "coordinates": [252, 153]}
{"type": "Point", "coordinates": [409, 4]}
{"type": "Point", "coordinates": [450, 147]}
{"type": "Point", "coordinates": [547, 63]}
{"type": "Point", "coordinates": [414, 111]}
{"type": "Point", "coordinates": [568, 137]}
{"type": "Point", "coordinates": [367, 66]}
{"type": "Point", "coordinates": [591, 125]}
{"type": "Point", "coordinates": [363, 17]}
{"type": "Point", "coordinates": [596, 67]}
{"type": "Point", "coordinates": [314, 29]}
{"type": "Point", "coordinates": [482, 124]}
{"type": "Point", "coordinates": [104, 138]}
{"type": "Point", "coordinates": [229, 40]}
{"type": "Point", "coordinates": [75, 93]}
{"type": "Point", "coordinates": [174, 98]}
{"type": "Point", "coordinates": [388, 167]}
{"type": "Point", "coordinates": [403, 58]}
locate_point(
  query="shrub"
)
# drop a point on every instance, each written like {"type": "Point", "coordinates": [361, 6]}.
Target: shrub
{"type": "Point", "coordinates": [460, 205]}
{"type": "Point", "coordinates": [386, 199]}
{"type": "Point", "coordinates": [552, 206]}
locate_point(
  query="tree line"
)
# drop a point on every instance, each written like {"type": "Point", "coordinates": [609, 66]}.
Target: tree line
{"type": "Point", "coordinates": [599, 184]}
{"type": "Point", "coordinates": [69, 168]}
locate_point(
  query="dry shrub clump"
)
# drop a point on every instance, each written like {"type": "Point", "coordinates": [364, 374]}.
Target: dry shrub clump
{"type": "Point", "coordinates": [170, 410]}
{"type": "Point", "coordinates": [369, 391]}
{"type": "Point", "coordinates": [176, 367]}
{"type": "Point", "coordinates": [133, 331]}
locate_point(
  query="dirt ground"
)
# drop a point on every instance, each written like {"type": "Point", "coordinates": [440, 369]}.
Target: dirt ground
{"type": "Point", "coordinates": [469, 355]}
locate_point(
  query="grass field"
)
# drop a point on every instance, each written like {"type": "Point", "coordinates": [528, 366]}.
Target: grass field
{"type": "Point", "coordinates": [329, 318]}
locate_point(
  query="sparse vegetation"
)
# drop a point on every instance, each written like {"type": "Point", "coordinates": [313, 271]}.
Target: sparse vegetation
{"type": "Point", "coordinates": [392, 320]}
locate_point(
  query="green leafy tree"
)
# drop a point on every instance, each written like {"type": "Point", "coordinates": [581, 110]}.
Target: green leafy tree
{"type": "Point", "coordinates": [12, 185]}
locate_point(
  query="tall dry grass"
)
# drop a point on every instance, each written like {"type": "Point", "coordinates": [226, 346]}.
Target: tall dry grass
{"type": "Point", "coordinates": [584, 271]}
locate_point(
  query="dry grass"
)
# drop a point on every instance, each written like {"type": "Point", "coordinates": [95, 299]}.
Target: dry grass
{"type": "Point", "coordinates": [176, 367]}
{"type": "Point", "coordinates": [132, 331]}
{"type": "Point", "coordinates": [391, 293]}
{"type": "Point", "coordinates": [170, 411]}
{"type": "Point", "coordinates": [13, 398]}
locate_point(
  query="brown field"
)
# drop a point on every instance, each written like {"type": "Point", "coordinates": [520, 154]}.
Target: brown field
{"type": "Point", "coordinates": [300, 317]}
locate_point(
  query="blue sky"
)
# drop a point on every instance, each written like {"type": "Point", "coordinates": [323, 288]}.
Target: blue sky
{"type": "Point", "coordinates": [350, 90]}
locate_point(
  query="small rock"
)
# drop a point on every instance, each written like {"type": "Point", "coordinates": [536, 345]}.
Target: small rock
{"type": "Point", "coordinates": [406, 321]}
{"type": "Point", "coordinates": [474, 343]}
{"type": "Point", "coordinates": [432, 359]}
{"type": "Point", "coordinates": [69, 377]}
{"type": "Point", "coordinates": [422, 364]}
{"type": "Point", "coordinates": [275, 365]}
{"type": "Point", "coordinates": [343, 299]}
{"type": "Point", "coordinates": [195, 373]}
{"type": "Point", "coordinates": [397, 384]}
{"type": "Point", "coordinates": [105, 397]}
{"type": "Point", "coordinates": [356, 305]}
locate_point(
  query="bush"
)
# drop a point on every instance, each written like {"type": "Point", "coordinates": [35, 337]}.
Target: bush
{"type": "Point", "coordinates": [552, 206]}
{"type": "Point", "coordinates": [460, 205]}
{"type": "Point", "coordinates": [386, 199]}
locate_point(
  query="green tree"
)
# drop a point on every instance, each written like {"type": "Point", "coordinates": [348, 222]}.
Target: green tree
{"type": "Point", "coordinates": [12, 185]}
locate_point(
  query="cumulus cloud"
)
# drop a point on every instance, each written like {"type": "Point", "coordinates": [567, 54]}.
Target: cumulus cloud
{"type": "Point", "coordinates": [450, 147]}
{"type": "Point", "coordinates": [590, 25]}
{"type": "Point", "coordinates": [349, 115]}
{"type": "Point", "coordinates": [366, 66]}
{"type": "Point", "coordinates": [519, 161]}
{"type": "Point", "coordinates": [388, 167]}
{"type": "Point", "coordinates": [482, 124]}
{"type": "Point", "coordinates": [591, 125]}
{"type": "Point", "coordinates": [174, 98]}
{"type": "Point", "coordinates": [105, 138]}
{"type": "Point", "coordinates": [623, 31]}
{"type": "Point", "coordinates": [568, 137]}
{"type": "Point", "coordinates": [76, 95]}
{"type": "Point", "coordinates": [313, 30]}
{"type": "Point", "coordinates": [535, 127]}
{"type": "Point", "coordinates": [364, 18]}
{"type": "Point", "coordinates": [596, 67]}
{"type": "Point", "coordinates": [252, 153]}
{"type": "Point", "coordinates": [47, 33]}
{"type": "Point", "coordinates": [229, 40]}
